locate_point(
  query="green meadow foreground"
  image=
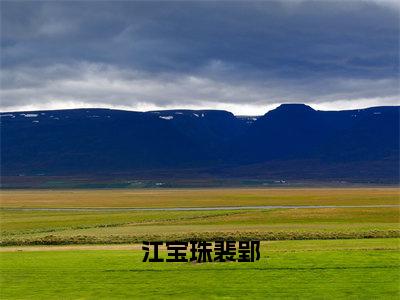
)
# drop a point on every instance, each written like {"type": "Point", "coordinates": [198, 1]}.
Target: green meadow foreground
{"type": "Point", "coordinates": [94, 250]}
{"type": "Point", "coordinates": [333, 269]}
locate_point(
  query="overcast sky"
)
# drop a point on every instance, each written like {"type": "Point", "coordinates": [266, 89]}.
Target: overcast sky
{"type": "Point", "coordinates": [246, 57]}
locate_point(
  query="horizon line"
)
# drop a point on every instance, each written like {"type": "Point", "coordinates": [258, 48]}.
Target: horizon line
{"type": "Point", "coordinates": [188, 109]}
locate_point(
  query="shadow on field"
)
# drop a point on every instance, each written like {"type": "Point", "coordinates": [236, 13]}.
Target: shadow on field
{"type": "Point", "coordinates": [255, 269]}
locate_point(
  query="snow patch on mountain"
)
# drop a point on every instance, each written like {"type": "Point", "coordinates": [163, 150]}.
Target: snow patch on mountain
{"type": "Point", "coordinates": [166, 117]}
{"type": "Point", "coordinates": [29, 115]}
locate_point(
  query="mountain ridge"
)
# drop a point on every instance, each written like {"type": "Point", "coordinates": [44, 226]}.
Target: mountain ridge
{"type": "Point", "coordinates": [93, 141]}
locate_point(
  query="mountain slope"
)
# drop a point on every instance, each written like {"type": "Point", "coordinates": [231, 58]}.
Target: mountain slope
{"type": "Point", "coordinates": [293, 140]}
{"type": "Point", "coordinates": [296, 131]}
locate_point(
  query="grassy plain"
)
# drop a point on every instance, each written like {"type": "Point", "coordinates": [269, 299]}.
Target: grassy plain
{"type": "Point", "coordinates": [198, 197]}
{"type": "Point", "coordinates": [19, 227]}
{"type": "Point", "coordinates": [330, 269]}
{"type": "Point", "coordinates": [88, 227]}
{"type": "Point", "coordinates": [312, 253]}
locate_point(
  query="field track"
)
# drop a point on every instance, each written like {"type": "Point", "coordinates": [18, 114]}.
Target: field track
{"type": "Point", "coordinates": [197, 208]}
{"type": "Point", "coordinates": [71, 248]}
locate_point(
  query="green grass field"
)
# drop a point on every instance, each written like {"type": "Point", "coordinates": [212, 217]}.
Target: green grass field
{"type": "Point", "coordinates": [329, 253]}
{"type": "Point", "coordinates": [331, 269]}
{"type": "Point", "coordinates": [55, 227]}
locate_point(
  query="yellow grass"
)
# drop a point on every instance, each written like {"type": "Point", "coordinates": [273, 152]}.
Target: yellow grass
{"type": "Point", "coordinates": [199, 197]}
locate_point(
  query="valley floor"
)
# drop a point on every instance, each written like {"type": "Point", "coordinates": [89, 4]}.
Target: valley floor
{"type": "Point", "coordinates": [87, 244]}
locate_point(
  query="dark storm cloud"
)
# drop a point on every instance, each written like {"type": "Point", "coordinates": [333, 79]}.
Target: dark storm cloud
{"type": "Point", "coordinates": [198, 53]}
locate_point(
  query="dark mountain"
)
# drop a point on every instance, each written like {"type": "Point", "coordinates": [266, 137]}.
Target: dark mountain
{"type": "Point", "coordinates": [209, 129]}
{"type": "Point", "coordinates": [292, 141]}
{"type": "Point", "coordinates": [287, 132]}
{"type": "Point", "coordinates": [296, 131]}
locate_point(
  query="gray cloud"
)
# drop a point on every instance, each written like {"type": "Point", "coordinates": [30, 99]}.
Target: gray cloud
{"type": "Point", "coordinates": [243, 56]}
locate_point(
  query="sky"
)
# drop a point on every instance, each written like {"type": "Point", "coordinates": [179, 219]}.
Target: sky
{"type": "Point", "coordinates": [246, 57]}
